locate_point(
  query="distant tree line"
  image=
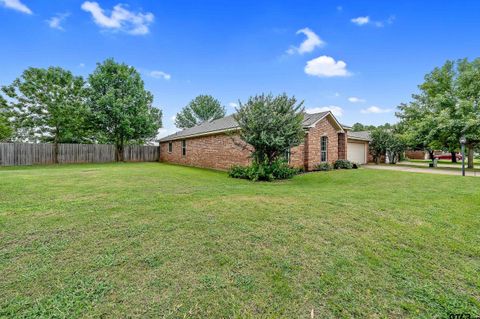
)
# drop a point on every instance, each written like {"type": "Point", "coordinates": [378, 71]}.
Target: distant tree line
{"type": "Point", "coordinates": [53, 105]}
{"type": "Point", "coordinates": [359, 127]}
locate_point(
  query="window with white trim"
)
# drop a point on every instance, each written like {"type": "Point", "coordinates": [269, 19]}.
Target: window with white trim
{"type": "Point", "coordinates": [324, 149]}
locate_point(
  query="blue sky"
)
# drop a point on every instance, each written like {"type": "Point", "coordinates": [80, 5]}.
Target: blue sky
{"type": "Point", "coordinates": [358, 58]}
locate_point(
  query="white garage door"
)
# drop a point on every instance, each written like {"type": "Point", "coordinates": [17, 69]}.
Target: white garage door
{"type": "Point", "coordinates": [356, 153]}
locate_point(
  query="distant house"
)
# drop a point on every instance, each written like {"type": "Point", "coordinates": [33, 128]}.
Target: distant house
{"type": "Point", "coordinates": [216, 144]}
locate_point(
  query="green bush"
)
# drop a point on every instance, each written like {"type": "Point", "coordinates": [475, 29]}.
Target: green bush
{"type": "Point", "coordinates": [324, 167]}
{"type": "Point", "coordinates": [342, 164]}
{"type": "Point", "coordinates": [238, 171]}
{"type": "Point", "coordinates": [263, 171]}
{"type": "Point", "coordinates": [281, 170]}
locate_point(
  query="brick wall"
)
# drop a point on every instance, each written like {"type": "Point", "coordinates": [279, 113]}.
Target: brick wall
{"type": "Point", "coordinates": [297, 156]}
{"type": "Point", "coordinates": [219, 151]}
{"type": "Point", "coordinates": [323, 128]}
{"type": "Point", "coordinates": [222, 151]}
{"type": "Point", "coordinates": [342, 145]}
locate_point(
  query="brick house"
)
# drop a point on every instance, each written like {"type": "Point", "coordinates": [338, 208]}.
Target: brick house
{"type": "Point", "coordinates": [216, 144]}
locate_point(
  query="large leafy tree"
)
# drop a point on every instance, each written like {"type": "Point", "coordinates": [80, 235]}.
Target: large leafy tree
{"type": "Point", "coordinates": [6, 130]}
{"type": "Point", "coordinates": [271, 125]}
{"type": "Point", "coordinates": [200, 109]}
{"type": "Point", "coordinates": [48, 105]}
{"type": "Point", "coordinates": [417, 123]}
{"type": "Point", "coordinates": [122, 108]}
{"type": "Point", "coordinates": [446, 108]}
{"type": "Point", "coordinates": [468, 112]}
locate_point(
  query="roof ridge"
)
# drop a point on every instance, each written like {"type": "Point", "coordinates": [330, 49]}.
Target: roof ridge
{"type": "Point", "coordinates": [228, 123]}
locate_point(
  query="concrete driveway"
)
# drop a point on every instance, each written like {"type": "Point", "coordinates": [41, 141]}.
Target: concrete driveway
{"type": "Point", "coordinates": [403, 168]}
{"type": "Point", "coordinates": [440, 165]}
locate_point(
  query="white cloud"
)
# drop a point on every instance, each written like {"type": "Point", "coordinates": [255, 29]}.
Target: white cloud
{"type": "Point", "coordinates": [233, 105]}
{"type": "Point", "coordinates": [160, 75]}
{"type": "Point", "coordinates": [16, 5]}
{"type": "Point", "coordinates": [336, 110]}
{"type": "Point", "coordinates": [173, 118]}
{"type": "Point", "coordinates": [82, 65]}
{"type": "Point", "coordinates": [339, 8]}
{"type": "Point", "coordinates": [354, 99]}
{"type": "Point", "coordinates": [361, 20]}
{"type": "Point", "coordinates": [375, 110]}
{"type": "Point", "coordinates": [309, 44]}
{"type": "Point", "coordinates": [55, 22]}
{"type": "Point", "coordinates": [120, 18]}
{"type": "Point", "coordinates": [366, 20]}
{"type": "Point", "coordinates": [326, 66]}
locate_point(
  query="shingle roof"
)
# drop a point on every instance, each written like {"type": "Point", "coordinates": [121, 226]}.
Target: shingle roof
{"type": "Point", "coordinates": [228, 123]}
{"type": "Point", "coordinates": [362, 135]}
{"type": "Point", "coordinates": [220, 125]}
{"type": "Point", "coordinates": [310, 119]}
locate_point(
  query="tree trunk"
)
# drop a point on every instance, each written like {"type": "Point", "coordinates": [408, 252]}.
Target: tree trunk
{"type": "Point", "coordinates": [394, 158]}
{"type": "Point", "coordinates": [55, 150]}
{"type": "Point", "coordinates": [119, 153]}
{"type": "Point", "coordinates": [470, 156]}
{"type": "Point", "coordinates": [454, 157]}
{"type": "Point", "coordinates": [432, 155]}
{"type": "Point", "coordinates": [55, 146]}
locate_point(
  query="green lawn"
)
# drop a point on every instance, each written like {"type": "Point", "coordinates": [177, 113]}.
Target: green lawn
{"type": "Point", "coordinates": [156, 240]}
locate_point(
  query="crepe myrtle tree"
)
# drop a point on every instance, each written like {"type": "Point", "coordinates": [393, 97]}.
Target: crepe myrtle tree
{"type": "Point", "coordinates": [395, 148]}
{"type": "Point", "coordinates": [378, 144]}
{"type": "Point", "coordinates": [271, 124]}
{"type": "Point", "coordinates": [386, 142]}
{"type": "Point", "coordinates": [200, 109]}
{"type": "Point", "coordinates": [122, 108]}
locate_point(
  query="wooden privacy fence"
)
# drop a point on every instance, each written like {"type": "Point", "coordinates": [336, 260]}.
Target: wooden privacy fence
{"type": "Point", "coordinates": [13, 154]}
